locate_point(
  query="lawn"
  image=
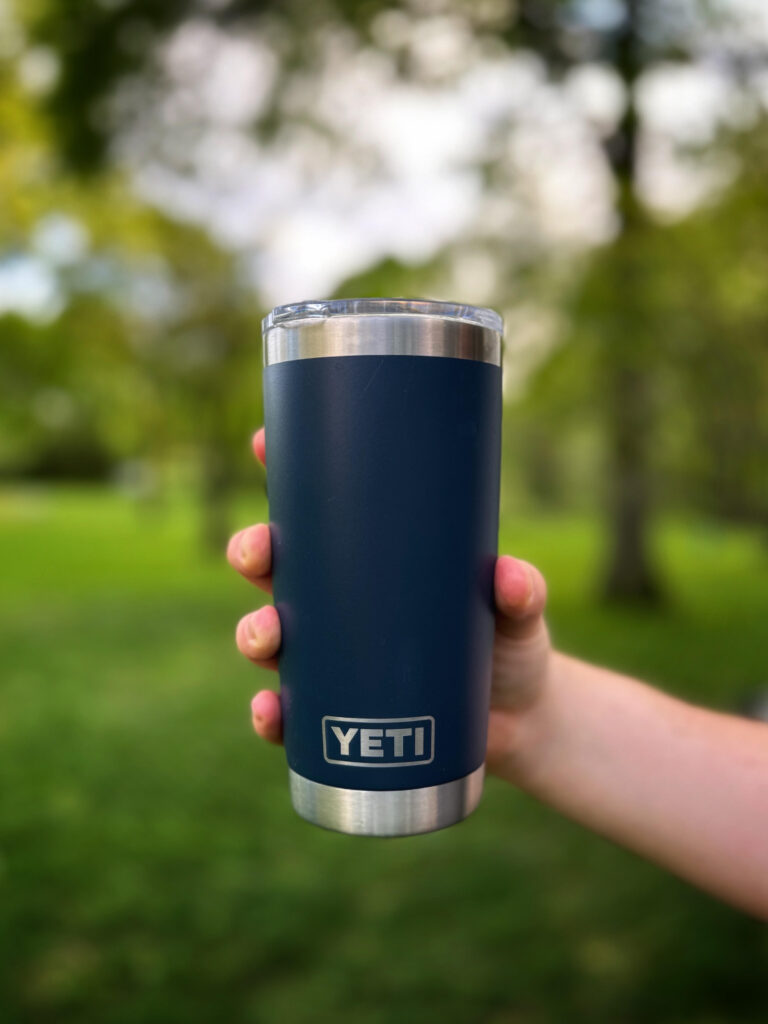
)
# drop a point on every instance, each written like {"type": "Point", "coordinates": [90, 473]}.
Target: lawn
{"type": "Point", "coordinates": [152, 870]}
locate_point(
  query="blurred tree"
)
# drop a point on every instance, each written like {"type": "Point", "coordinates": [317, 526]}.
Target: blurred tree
{"type": "Point", "coordinates": [101, 45]}
{"type": "Point", "coordinates": [139, 337]}
{"type": "Point", "coordinates": [626, 36]}
{"type": "Point", "coordinates": [69, 391]}
{"type": "Point", "coordinates": [633, 37]}
{"type": "Point", "coordinates": [205, 361]}
{"type": "Point", "coordinates": [719, 325]}
{"type": "Point", "coordinates": [705, 301]}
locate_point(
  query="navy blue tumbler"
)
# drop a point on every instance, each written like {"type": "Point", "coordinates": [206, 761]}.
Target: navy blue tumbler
{"type": "Point", "coordinates": [383, 429]}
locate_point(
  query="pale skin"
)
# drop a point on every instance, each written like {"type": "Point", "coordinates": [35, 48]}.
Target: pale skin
{"type": "Point", "coordinates": [681, 785]}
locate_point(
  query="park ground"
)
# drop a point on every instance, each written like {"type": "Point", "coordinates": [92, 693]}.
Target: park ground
{"type": "Point", "coordinates": [152, 870]}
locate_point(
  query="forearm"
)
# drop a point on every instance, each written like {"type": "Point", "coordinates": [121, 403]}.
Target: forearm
{"type": "Point", "coordinates": [683, 786]}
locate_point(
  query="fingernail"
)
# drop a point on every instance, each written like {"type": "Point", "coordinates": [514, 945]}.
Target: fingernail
{"type": "Point", "coordinates": [245, 549]}
{"type": "Point", "coordinates": [254, 630]}
{"type": "Point", "coordinates": [531, 584]}
{"type": "Point", "coordinates": [255, 714]}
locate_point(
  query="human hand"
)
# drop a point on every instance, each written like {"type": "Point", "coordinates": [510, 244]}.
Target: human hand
{"type": "Point", "coordinates": [521, 652]}
{"type": "Point", "coordinates": [610, 752]}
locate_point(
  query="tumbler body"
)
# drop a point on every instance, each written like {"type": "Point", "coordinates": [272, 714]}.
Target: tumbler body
{"type": "Point", "coordinates": [383, 423]}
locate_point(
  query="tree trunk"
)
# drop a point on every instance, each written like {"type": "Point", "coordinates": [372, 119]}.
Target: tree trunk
{"type": "Point", "coordinates": [630, 574]}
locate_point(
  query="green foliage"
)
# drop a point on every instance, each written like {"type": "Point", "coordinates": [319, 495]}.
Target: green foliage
{"type": "Point", "coordinates": [97, 44]}
{"type": "Point", "coordinates": [392, 279]}
{"type": "Point", "coordinates": [155, 349]}
{"type": "Point", "coordinates": [70, 393]}
{"type": "Point", "coordinates": [642, 393]}
{"type": "Point", "coordinates": [100, 44]}
{"type": "Point", "coordinates": [152, 869]}
{"type": "Point", "coordinates": [688, 302]}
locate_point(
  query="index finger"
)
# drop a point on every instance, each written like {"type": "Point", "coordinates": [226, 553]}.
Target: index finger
{"type": "Point", "coordinates": [259, 446]}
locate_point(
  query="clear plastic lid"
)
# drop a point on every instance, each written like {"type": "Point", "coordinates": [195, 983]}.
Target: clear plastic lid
{"type": "Point", "coordinates": [323, 308]}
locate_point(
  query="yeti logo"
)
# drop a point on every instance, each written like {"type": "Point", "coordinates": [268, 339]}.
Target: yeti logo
{"type": "Point", "coordinates": [379, 742]}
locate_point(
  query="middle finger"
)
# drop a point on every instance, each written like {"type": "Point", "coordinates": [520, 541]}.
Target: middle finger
{"type": "Point", "coordinates": [258, 636]}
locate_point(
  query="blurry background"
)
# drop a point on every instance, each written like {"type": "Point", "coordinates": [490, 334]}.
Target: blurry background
{"type": "Point", "coordinates": [597, 170]}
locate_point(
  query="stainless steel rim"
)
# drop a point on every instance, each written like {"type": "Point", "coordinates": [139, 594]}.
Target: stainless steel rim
{"type": "Point", "coordinates": [393, 334]}
{"type": "Point", "coordinates": [398, 812]}
{"type": "Point", "coordinates": [319, 309]}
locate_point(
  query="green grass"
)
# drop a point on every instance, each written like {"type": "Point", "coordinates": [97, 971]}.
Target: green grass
{"type": "Point", "coordinates": [152, 870]}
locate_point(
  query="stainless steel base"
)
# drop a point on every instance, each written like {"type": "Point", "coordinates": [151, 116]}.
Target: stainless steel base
{"type": "Point", "coordinates": [393, 812]}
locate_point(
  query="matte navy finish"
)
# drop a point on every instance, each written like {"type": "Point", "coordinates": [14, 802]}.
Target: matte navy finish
{"type": "Point", "coordinates": [383, 485]}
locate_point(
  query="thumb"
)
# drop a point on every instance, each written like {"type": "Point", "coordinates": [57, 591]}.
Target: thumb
{"type": "Point", "coordinates": [520, 593]}
{"type": "Point", "coordinates": [522, 644]}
